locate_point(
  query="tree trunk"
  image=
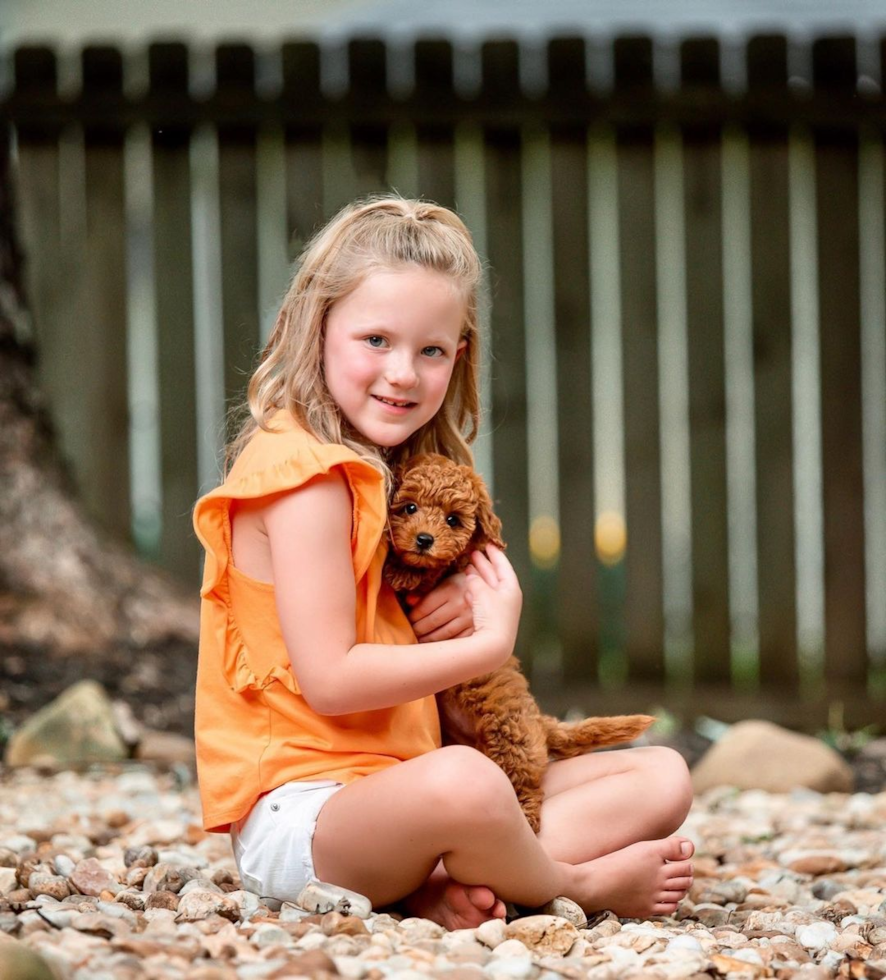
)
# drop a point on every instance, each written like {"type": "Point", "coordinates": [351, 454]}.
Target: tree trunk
{"type": "Point", "coordinates": [71, 600]}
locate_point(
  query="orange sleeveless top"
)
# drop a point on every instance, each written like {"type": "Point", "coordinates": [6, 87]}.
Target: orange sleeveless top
{"type": "Point", "coordinates": [254, 731]}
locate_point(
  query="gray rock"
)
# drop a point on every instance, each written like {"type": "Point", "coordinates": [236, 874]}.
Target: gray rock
{"type": "Point", "coordinates": [78, 726]}
{"type": "Point", "coordinates": [760, 755]}
{"type": "Point", "coordinates": [318, 896]}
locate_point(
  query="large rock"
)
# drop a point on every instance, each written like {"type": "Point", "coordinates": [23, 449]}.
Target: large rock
{"type": "Point", "coordinates": [18, 962]}
{"type": "Point", "coordinates": [760, 755]}
{"type": "Point", "coordinates": [78, 726]}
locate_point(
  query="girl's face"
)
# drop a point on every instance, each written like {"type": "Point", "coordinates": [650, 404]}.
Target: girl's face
{"type": "Point", "coordinates": [389, 350]}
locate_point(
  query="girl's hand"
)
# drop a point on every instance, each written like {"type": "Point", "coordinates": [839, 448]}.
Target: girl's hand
{"type": "Point", "coordinates": [496, 599]}
{"type": "Point", "coordinates": [445, 612]}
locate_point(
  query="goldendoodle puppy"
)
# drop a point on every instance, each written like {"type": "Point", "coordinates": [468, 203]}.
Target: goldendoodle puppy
{"type": "Point", "coordinates": [441, 512]}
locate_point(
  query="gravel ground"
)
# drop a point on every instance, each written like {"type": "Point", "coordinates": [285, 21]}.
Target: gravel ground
{"type": "Point", "coordinates": [108, 876]}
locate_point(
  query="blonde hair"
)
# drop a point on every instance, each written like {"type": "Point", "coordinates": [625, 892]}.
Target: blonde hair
{"type": "Point", "coordinates": [377, 233]}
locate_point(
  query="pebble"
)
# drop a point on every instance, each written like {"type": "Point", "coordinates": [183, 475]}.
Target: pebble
{"type": "Point", "coordinates": [104, 870]}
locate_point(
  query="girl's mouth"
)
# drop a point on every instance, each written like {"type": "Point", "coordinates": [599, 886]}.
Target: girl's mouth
{"type": "Point", "coordinates": [394, 402]}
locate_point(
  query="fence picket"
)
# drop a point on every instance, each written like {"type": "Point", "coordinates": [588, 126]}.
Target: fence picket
{"type": "Point", "coordinates": [238, 212]}
{"type": "Point", "coordinates": [644, 587]}
{"type": "Point", "coordinates": [101, 306]}
{"type": "Point", "coordinates": [435, 143]}
{"type": "Point", "coordinates": [771, 312]}
{"type": "Point", "coordinates": [304, 145]}
{"type": "Point", "coordinates": [707, 392]}
{"type": "Point", "coordinates": [503, 148]}
{"type": "Point", "coordinates": [836, 175]}
{"type": "Point", "coordinates": [577, 575]}
{"type": "Point", "coordinates": [174, 304]}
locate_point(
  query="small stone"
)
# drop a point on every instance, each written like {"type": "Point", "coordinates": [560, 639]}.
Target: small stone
{"type": "Point", "coordinates": [141, 857]}
{"type": "Point", "coordinates": [818, 864]}
{"type": "Point", "coordinates": [516, 967]}
{"type": "Point", "coordinates": [55, 886]}
{"type": "Point", "coordinates": [710, 914]}
{"type": "Point", "coordinates": [336, 924]}
{"type": "Point", "coordinates": [544, 934]}
{"type": "Point", "coordinates": [817, 935]}
{"type": "Point", "coordinates": [269, 934]}
{"type": "Point", "coordinates": [492, 933]}
{"type": "Point", "coordinates": [90, 878]}
{"type": "Point", "coordinates": [161, 900]}
{"type": "Point", "coordinates": [318, 896]}
{"type": "Point", "coordinates": [510, 948]}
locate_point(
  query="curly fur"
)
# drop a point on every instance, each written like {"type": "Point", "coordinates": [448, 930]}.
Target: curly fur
{"type": "Point", "coordinates": [494, 713]}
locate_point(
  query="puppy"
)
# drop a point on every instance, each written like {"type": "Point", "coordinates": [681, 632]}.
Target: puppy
{"type": "Point", "coordinates": [440, 513]}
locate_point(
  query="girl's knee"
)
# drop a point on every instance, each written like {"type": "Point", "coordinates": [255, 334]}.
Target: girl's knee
{"type": "Point", "coordinates": [669, 779]}
{"type": "Point", "coordinates": [464, 780]}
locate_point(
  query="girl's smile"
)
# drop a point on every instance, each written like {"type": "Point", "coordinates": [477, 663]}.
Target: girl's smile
{"type": "Point", "coordinates": [389, 350]}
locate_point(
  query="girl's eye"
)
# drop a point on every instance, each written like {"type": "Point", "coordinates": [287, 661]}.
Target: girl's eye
{"type": "Point", "coordinates": [432, 351]}
{"type": "Point", "coordinates": [410, 509]}
{"type": "Point", "coordinates": [453, 520]}
{"type": "Point", "coordinates": [375, 341]}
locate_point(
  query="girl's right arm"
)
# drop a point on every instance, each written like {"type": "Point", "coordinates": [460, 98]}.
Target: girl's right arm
{"type": "Point", "coordinates": [309, 533]}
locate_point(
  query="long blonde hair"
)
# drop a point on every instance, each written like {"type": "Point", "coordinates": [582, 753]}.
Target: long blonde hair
{"type": "Point", "coordinates": [380, 232]}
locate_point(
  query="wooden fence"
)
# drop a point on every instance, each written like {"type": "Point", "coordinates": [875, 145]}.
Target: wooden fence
{"type": "Point", "coordinates": [687, 323]}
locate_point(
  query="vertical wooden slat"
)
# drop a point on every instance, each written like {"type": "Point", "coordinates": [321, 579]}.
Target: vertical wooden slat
{"type": "Point", "coordinates": [39, 208]}
{"type": "Point", "coordinates": [367, 60]}
{"type": "Point", "coordinates": [103, 459]}
{"type": "Point", "coordinates": [235, 80]}
{"type": "Point", "coordinates": [435, 144]}
{"type": "Point", "coordinates": [635, 148]}
{"type": "Point", "coordinates": [707, 392]}
{"type": "Point", "coordinates": [505, 243]}
{"type": "Point", "coordinates": [577, 605]}
{"type": "Point", "coordinates": [773, 427]}
{"type": "Point", "coordinates": [304, 154]}
{"type": "Point", "coordinates": [174, 304]}
{"type": "Point", "coordinates": [836, 177]}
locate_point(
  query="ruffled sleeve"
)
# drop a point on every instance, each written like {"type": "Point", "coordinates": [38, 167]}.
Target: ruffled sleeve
{"type": "Point", "coordinates": [272, 462]}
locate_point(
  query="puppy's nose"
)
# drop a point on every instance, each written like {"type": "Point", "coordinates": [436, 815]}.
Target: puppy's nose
{"type": "Point", "coordinates": [424, 540]}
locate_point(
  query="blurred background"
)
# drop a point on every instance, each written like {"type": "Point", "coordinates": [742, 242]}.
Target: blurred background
{"type": "Point", "coordinates": [681, 207]}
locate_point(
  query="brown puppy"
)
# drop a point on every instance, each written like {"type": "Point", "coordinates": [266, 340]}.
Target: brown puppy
{"type": "Point", "coordinates": [439, 514]}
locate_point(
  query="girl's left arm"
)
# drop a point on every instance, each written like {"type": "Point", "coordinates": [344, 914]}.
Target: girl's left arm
{"type": "Point", "coordinates": [445, 612]}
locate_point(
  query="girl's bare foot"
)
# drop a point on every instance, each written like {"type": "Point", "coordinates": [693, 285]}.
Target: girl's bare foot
{"type": "Point", "coordinates": [453, 905]}
{"type": "Point", "coordinates": [647, 878]}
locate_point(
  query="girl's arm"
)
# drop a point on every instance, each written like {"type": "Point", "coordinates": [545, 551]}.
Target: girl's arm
{"type": "Point", "coordinates": [309, 534]}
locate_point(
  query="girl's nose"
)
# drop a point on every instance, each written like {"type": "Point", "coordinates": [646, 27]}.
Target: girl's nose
{"type": "Point", "coordinates": [401, 372]}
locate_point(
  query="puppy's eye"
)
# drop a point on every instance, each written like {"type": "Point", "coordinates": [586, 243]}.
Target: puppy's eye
{"type": "Point", "coordinates": [410, 509]}
{"type": "Point", "coordinates": [453, 520]}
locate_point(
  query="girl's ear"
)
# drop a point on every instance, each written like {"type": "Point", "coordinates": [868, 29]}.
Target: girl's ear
{"type": "Point", "coordinates": [462, 344]}
{"type": "Point", "coordinates": [488, 530]}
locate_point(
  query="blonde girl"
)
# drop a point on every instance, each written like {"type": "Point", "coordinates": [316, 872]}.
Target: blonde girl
{"type": "Point", "coordinates": [317, 734]}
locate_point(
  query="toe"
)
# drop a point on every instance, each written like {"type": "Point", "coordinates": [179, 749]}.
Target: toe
{"type": "Point", "coordinates": [679, 884]}
{"type": "Point", "coordinates": [676, 848]}
{"type": "Point", "coordinates": [481, 897]}
{"type": "Point", "coordinates": [678, 869]}
{"type": "Point", "coordinates": [664, 908]}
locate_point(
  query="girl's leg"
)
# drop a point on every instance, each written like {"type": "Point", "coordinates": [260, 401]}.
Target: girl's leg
{"type": "Point", "coordinates": [384, 835]}
{"type": "Point", "coordinates": [598, 803]}
{"type": "Point", "coordinates": [613, 812]}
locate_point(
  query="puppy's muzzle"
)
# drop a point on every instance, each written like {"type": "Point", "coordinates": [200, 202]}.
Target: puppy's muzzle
{"type": "Point", "coordinates": [424, 540]}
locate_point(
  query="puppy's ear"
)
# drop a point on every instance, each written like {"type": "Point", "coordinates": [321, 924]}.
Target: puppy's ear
{"type": "Point", "coordinates": [488, 530]}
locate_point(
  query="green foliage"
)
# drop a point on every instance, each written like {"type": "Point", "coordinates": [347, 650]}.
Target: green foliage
{"type": "Point", "coordinates": [839, 737]}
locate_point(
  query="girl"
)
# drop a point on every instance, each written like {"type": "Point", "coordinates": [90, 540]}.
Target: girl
{"type": "Point", "coordinates": [318, 741]}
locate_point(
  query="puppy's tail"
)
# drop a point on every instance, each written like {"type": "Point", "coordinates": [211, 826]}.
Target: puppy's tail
{"type": "Point", "coordinates": [569, 738]}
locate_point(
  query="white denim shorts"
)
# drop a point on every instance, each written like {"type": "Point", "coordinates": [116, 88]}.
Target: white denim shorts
{"type": "Point", "coordinates": [273, 842]}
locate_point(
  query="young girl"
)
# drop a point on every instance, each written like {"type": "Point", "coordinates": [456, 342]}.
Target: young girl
{"type": "Point", "coordinates": [318, 741]}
